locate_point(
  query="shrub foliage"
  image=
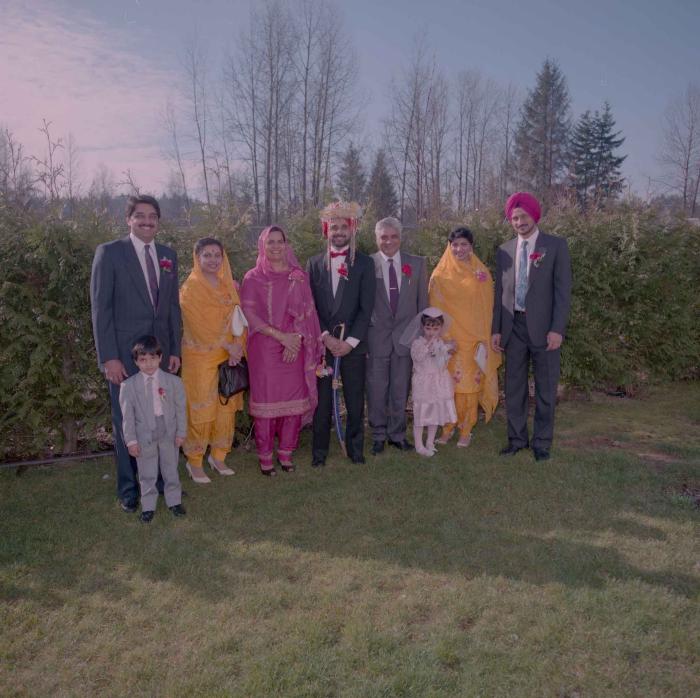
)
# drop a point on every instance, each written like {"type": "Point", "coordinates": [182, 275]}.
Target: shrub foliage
{"type": "Point", "coordinates": [634, 315]}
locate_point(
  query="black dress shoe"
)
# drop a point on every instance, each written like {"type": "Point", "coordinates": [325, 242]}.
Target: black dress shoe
{"type": "Point", "coordinates": [541, 453]}
{"type": "Point", "coordinates": [178, 510]}
{"type": "Point", "coordinates": [128, 507]}
{"type": "Point", "coordinates": [377, 447]}
{"type": "Point", "coordinates": [401, 445]}
{"type": "Point", "coordinates": [510, 450]}
{"type": "Point", "coordinates": [318, 462]}
{"type": "Point", "coordinates": [146, 516]}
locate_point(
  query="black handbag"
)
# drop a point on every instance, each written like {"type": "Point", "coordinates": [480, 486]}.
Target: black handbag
{"type": "Point", "coordinates": [232, 380]}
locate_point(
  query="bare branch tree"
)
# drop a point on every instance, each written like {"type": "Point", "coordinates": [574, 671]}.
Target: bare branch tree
{"type": "Point", "coordinates": [49, 171]}
{"type": "Point", "coordinates": [195, 66]}
{"type": "Point", "coordinates": [680, 150]}
{"type": "Point", "coordinates": [16, 177]}
{"type": "Point", "coordinates": [174, 153]}
{"type": "Point", "coordinates": [129, 182]}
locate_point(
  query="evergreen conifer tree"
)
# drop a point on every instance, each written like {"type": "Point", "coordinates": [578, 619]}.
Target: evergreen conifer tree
{"type": "Point", "coordinates": [542, 135]}
{"type": "Point", "coordinates": [595, 168]}
{"type": "Point", "coordinates": [351, 178]}
{"type": "Point", "coordinates": [381, 194]}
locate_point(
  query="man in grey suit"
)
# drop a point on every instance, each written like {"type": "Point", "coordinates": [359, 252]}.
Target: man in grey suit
{"type": "Point", "coordinates": [133, 292]}
{"type": "Point", "coordinates": [401, 293]}
{"type": "Point", "coordinates": [530, 312]}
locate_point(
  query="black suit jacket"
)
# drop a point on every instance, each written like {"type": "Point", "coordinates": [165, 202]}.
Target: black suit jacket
{"type": "Point", "coordinates": [354, 299]}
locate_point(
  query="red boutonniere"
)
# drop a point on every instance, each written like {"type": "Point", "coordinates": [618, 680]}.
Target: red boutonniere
{"type": "Point", "coordinates": [166, 264]}
{"type": "Point", "coordinates": [343, 271]}
{"type": "Point", "coordinates": [481, 275]}
{"type": "Point", "coordinates": [537, 257]}
{"type": "Point", "coordinates": [161, 392]}
{"type": "Point", "coordinates": [407, 270]}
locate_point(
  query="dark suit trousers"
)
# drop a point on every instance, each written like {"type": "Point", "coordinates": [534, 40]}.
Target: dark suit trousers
{"type": "Point", "coordinates": [545, 365]}
{"type": "Point", "coordinates": [388, 381]}
{"type": "Point", "coordinates": [127, 477]}
{"type": "Point", "coordinates": [352, 373]}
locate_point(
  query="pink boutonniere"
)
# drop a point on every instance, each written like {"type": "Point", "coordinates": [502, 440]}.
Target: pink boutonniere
{"type": "Point", "coordinates": [296, 275]}
{"type": "Point", "coordinates": [343, 271]}
{"type": "Point", "coordinates": [481, 275]}
{"type": "Point", "coordinates": [537, 257]}
{"type": "Point", "coordinates": [161, 392]}
{"type": "Point", "coordinates": [166, 264]}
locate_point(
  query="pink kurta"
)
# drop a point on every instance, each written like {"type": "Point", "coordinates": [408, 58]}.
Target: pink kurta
{"type": "Point", "coordinates": [277, 389]}
{"type": "Point", "coordinates": [281, 300]}
{"type": "Point", "coordinates": [432, 388]}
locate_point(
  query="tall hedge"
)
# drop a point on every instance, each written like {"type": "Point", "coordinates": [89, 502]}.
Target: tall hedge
{"type": "Point", "coordinates": [635, 312]}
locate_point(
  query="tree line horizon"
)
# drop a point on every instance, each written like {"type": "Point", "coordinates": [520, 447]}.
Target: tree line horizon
{"type": "Point", "coordinates": [276, 130]}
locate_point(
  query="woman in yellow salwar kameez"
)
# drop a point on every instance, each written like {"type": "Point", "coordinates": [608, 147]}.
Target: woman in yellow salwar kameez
{"type": "Point", "coordinates": [462, 287]}
{"type": "Point", "coordinates": [208, 299]}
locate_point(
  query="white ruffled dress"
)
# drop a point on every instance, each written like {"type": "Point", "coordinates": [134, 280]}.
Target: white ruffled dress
{"type": "Point", "coordinates": [432, 386]}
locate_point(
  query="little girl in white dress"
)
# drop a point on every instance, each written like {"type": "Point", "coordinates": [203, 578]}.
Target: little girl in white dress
{"type": "Point", "coordinates": [433, 385]}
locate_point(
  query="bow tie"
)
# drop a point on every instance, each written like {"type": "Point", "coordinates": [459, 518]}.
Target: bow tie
{"type": "Point", "coordinates": [334, 254]}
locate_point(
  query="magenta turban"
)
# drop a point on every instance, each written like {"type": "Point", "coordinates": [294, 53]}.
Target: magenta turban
{"type": "Point", "coordinates": [525, 201]}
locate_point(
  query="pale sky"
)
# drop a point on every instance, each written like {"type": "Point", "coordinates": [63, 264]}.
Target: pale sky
{"type": "Point", "coordinates": [103, 70]}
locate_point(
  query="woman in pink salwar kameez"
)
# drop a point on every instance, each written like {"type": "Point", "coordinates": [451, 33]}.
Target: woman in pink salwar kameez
{"type": "Point", "coordinates": [284, 349]}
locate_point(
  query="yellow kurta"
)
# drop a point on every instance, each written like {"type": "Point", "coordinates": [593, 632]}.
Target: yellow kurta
{"type": "Point", "coordinates": [464, 290]}
{"type": "Point", "coordinates": [206, 316]}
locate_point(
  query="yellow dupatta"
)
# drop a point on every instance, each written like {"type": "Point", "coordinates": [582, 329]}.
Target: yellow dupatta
{"type": "Point", "coordinates": [464, 290]}
{"type": "Point", "coordinates": [206, 318]}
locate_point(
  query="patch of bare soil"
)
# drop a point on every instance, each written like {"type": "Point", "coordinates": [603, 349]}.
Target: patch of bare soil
{"type": "Point", "coordinates": [656, 458]}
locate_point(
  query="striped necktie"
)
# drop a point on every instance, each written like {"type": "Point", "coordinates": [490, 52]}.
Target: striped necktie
{"type": "Point", "coordinates": [521, 288]}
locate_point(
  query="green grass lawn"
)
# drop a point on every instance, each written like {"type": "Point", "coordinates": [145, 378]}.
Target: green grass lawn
{"type": "Point", "coordinates": [461, 575]}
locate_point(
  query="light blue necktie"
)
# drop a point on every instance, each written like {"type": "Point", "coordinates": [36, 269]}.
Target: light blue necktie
{"type": "Point", "coordinates": [521, 288]}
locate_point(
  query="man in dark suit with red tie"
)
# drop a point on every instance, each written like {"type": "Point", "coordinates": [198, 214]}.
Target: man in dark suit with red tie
{"type": "Point", "coordinates": [133, 292]}
{"type": "Point", "coordinates": [530, 312]}
{"type": "Point", "coordinates": [343, 285]}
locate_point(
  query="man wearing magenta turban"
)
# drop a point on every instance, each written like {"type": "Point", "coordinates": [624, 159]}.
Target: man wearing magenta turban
{"type": "Point", "coordinates": [530, 312]}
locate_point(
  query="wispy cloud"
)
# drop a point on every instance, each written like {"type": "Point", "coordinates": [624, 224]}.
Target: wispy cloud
{"type": "Point", "coordinates": [88, 79]}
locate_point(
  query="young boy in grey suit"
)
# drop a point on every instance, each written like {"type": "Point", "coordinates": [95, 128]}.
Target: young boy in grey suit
{"type": "Point", "coordinates": [155, 425]}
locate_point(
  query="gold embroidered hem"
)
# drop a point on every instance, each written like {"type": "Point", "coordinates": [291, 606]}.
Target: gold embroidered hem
{"type": "Point", "coordinates": [270, 410]}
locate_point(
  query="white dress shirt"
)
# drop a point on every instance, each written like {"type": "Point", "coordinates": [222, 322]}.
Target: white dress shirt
{"type": "Point", "coordinates": [336, 279]}
{"type": "Point", "coordinates": [531, 244]}
{"type": "Point", "coordinates": [155, 387]}
{"type": "Point", "coordinates": [140, 247]}
{"type": "Point", "coordinates": [157, 400]}
{"type": "Point", "coordinates": [385, 270]}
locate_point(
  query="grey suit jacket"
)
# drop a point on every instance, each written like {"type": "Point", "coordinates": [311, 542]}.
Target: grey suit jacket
{"type": "Point", "coordinates": [385, 329]}
{"type": "Point", "coordinates": [121, 304]}
{"type": "Point", "coordinates": [548, 296]}
{"type": "Point", "coordinates": [139, 421]}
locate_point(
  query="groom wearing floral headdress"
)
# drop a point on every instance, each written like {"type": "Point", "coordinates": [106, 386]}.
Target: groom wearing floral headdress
{"type": "Point", "coordinates": [343, 285]}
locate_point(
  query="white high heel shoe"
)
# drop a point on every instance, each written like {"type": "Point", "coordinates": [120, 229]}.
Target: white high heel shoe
{"type": "Point", "coordinates": [221, 469]}
{"type": "Point", "coordinates": [201, 479]}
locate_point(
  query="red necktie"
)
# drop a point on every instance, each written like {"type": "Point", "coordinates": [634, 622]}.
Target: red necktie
{"type": "Point", "coordinates": [393, 288]}
{"type": "Point", "coordinates": [334, 254]}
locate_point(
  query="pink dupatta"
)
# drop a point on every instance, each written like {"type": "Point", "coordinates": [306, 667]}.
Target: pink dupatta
{"type": "Point", "coordinates": [273, 297]}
